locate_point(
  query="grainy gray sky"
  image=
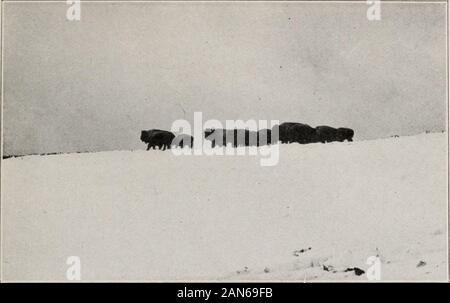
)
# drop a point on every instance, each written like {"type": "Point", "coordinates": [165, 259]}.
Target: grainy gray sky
{"type": "Point", "coordinates": [92, 85]}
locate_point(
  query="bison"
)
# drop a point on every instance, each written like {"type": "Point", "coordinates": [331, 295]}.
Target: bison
{"type": "Point", "coordinates": [182, 141]}
{"type": "Point", "coordinates": [296, 132]}
{"type": "Point", "coordinates": [216, 136]}
{"type": "Point", "coordinates": [330, 134]}
{"type": "Point", "coordinates": [326, 134]}
{"type": "Point", "coordinates": [345, 134]}
{"type": "Point", "coordinates": [234, 137]}
{"type": "Point", "coordinates": [157, 138]}
{"type": "Point", "coordinates": [265, 137]}
{"type": "Point", "coordinates": [245, 137]}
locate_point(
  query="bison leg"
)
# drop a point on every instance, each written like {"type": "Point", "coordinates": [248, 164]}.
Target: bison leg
{"type": "Point", "coordinates": [148, 147]}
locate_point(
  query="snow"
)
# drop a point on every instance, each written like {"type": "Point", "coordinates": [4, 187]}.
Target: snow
{"type": "Point", "coordinates": [138, 215]}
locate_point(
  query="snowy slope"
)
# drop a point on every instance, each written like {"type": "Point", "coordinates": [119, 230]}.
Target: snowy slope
{"type": "Point", "coordinates": [137, 215]}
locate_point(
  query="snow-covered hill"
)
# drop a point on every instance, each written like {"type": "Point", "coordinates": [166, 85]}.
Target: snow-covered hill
{"type": "Point", "coordinates": [137, 215]}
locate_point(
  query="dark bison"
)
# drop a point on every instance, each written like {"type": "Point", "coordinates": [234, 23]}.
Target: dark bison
{"type": "Point", "coordinates": [346, 134]}
{"type": "Point", "coordinates": [252, 138]}
{"type": "Point", "coordinates": [296, 132]}
{"type": "Point", "coordinates": [157, 138]}
{"type": "Point", "coordinates": [234, 137]}
{"type": "Point", "coordinates": [330, 134]}
{"type": "Point", "coordinates": [239, 137]}
{"type": "Point", "coordinates": [216, 136]}
{"type": "Point", "coordinates": [265, 137]}
{"type": "Point", "coordinates": [182, 141]}
{"type": "Point", "coordinates": [326, 134]}
{"type": "Point", "coordinates": [245, 137]}
{"type": "Point", "coordinates": [223, 137]}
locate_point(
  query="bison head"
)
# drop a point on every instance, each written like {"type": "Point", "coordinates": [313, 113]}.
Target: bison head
{"type": "Point", "coordinates": [346, 134]}
{"type": "Point", "coordinates": [209, 131]}
{"type": "Point", "coordinates": [144, 136]}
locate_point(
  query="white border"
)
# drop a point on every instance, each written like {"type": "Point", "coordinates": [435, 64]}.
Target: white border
{"type": "Point", "coordinates": [230, 1]}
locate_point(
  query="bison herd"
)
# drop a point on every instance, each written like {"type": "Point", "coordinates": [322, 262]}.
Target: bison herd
{"type": "Point", "coordinates": [288, 132]}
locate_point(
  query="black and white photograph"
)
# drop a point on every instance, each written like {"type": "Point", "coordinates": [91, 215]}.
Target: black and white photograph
{"type": "Point", "coordinates": [224, 141]}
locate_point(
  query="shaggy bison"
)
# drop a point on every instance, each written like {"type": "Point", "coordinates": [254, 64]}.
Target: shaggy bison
{"type": "Point", "coordinates": [326, 134]}
{"type": "Point", "coordinates": [216, 136]}
{"type": "Point", "coordinates": [182, 141]}
{"type": "Point", "coordinates": [346, 134]}
{"type": "Point", "coordinates": [329, 134]}
{"type": "Point", "coordinates": [157, 138]}
{"type": "Point", "coordinates": [238, 137]}
{"type": "Point", "coordinates": [288, 132]}
{"type": "Point", "coordinates": [296, 132]}
{"type": "Point", "coordinates": [245, 137]}
{"type": "Point", "coordinates": [265, 137]}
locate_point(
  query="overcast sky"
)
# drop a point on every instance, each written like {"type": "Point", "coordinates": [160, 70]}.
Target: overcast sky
{"type": "Point", "coordinates": [92, 85]}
